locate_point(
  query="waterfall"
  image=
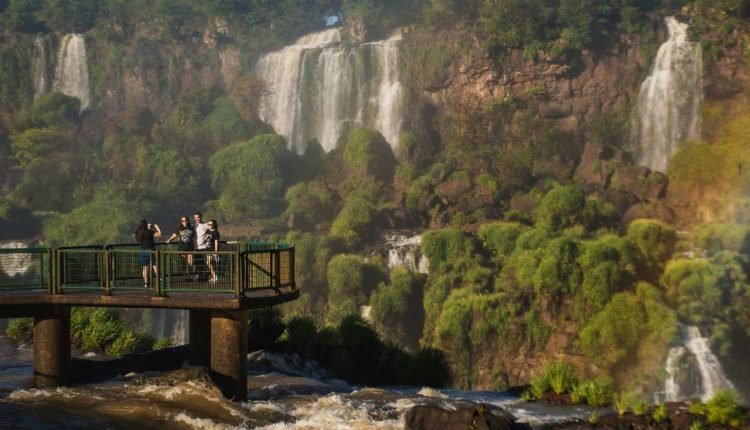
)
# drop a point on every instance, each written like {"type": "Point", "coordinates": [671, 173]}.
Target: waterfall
{"type": "Point", "coordinates": [170, 324]}
{"type": "Point", "coordinates": [72, 71]}
{"type": "Point", "coordinates": [403, 251]}
{"type": "Point", "coordinates": [40, 66]}
{"type": "Point", "coordinates": [670, 99]}
{"type": "Point", "coordinates": [692, 369]}
{"type": "Point", "coordinates": [319, 87]}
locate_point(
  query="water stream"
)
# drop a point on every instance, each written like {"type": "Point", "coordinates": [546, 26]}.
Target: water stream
{"type": "Point", "coordinates": [72, 70]}
{"type": "Point", "coordinates": [693, 371]}
{"type": "Point", "coordinates": [320, 87]}
{"type": "Point", "coordinates": [670, 99]}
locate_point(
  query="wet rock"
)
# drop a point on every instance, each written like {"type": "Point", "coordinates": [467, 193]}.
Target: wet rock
{"type": "Point", "coordinates": [482, 417]}
{"type": "Point", "coordinates": [87, 371]}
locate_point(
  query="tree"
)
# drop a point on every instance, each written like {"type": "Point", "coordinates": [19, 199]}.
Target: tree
{"type": "Point", "coordinates": [248, 177]}
{"type": "Point", "coordinates": [33, 144]}
{"type": "Point", "coordinates": [346, 286]}
{"type": "Point", "coordinates": [353, 224]}
{"type": "Point", "coordinates": [397, 311]}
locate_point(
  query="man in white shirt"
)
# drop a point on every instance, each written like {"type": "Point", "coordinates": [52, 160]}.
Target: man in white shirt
{"type": "Point", "coordinates": [202, 243]}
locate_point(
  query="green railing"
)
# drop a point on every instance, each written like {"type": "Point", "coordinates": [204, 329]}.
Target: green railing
{"type": "Point", "coordinates": [236, 268]}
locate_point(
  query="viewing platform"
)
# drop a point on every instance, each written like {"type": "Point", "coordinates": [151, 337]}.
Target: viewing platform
{"type": "Point", "coordinates": [217, 287]}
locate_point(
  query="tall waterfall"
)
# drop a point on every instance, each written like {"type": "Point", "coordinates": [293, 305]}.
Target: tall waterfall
{"type": "Point", "coordinates": [319, 87]}
{"type": "Point", "coordinates": [72, 70]}
{"type": "Point", "coordinates": [670, 99]}
{"type": "Point", "coordinates": [692, 369]}
{"type": "Point", "coordinates": [40, 66]}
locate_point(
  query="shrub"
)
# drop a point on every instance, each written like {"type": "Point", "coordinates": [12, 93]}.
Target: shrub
{"type": "Point", "coordinates": [562, 377]}
{"type": "Point", "coordinates": [661, 413]}
{"type": "Point", "coordinates": [724, 409]}
{"type": "Point", "coordinates": [622, 403]}
{"type": "Point", "coordinates": [656, 241]}
{"type": "Point", "coordinates": [301, 335]}
{"type": "Point", "coordinates": [19, 328]}
{"type": "Point", "coordinates": [616, 330]}
{"type": "Point", "coordinates": [368, 154]}
{"type": "Point", "coordinates": [397, 310]}
{"type": "Point", "coordinates": [163, 343]}
{"type": "Point", "coordinates": [640, 406]}
{"type": "Point", "coordinates": [129, 341]}
{"type": "Point", "coordinates": [354, 224]}
{"type": "Point", "coordinates": [560, 207]}
{"type": "Point", "coordinates": [500, 238]}
{"type": "Point", "coordinates": [596, 392]}
{"type": "Point", "coordinates": [248, 177]}
{"type": "Point", "coordinates": [448, 244]}
{"type": "Point", "coordinates": [308, 204]}
{"type": "Point", "coordinates": [350, 281]}
{"type": "Point", "coordinates": [54, 109]}
{"type": "Point", "coordinates": [431, 368]}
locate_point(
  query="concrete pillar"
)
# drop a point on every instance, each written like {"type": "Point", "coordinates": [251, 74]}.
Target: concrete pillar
{"type": "Point", "coordinates": [52, 347]}
{"type": "Point", "coordinates": [229, 353]}
{"type": "Point", "coordinates": [200, 338]}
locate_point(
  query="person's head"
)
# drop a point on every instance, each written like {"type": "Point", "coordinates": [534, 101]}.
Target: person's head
{"type": "Point", "coordinates": [197, 217]}
{"type": "Point", "coordinates": [184, 222]}
{"type": "Point", "coordinates": [213, 225]}
{"type": "Point", "coordinates": [143, 224]}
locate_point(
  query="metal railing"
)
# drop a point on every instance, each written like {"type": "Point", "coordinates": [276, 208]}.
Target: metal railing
{"type": "Point", "coordinates": [238, 267]}
{"type": "Point", "coordinates": [25, 268]}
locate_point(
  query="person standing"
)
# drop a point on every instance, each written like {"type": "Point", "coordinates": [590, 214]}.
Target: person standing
{"type": "Point", "coordinates": [185, 236]}
{"type": "Point", "coordinates": [145, 234]}
{"type": "Point", "coordinates": [213, 259]}
{"type": "Point", "coordinates": [202, 243]}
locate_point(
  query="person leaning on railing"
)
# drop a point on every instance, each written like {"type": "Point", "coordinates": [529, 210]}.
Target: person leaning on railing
{"type": "Point", "coordinates": [185, 237]}
{"type": "Point", "coordinates": [213, 259]}
{"type": "Point", "coordinates": [145, 234]}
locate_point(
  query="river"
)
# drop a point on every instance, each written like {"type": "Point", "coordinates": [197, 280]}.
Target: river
{"type": "Point", "coordinates": [285, 392]}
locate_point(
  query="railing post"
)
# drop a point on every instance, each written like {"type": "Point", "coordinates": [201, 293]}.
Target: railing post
{"type": "Point", "coordinates": [158, 278]}
{"type": "Point", "coordinates": [108, 269]}
{"type": "Point", "coordinates": [292, 257]}
{"type": "Point", "coordinates": [277, 268]}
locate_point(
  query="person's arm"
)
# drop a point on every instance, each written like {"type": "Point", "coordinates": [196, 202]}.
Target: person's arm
{"type": "Point", "coordinates": [173, 236]}
{"type": "Point", "coordinates": [157, 230]}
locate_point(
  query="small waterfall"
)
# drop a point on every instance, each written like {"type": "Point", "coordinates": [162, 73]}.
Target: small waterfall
{"type": "Point", "coordinates": [170, 324]}
{"type": "Point", "coordinates": [319, 87]}
{"type": "Point", "coordinates": [692, 369]}
{"type": "Point", "coordinates": [670, 99]}
{"type": "Point", "coordinates": [40, 66]}
{"type": "Point", "coordinates": [72, 70]}
{"type": "Point", "coordinates": [403, 251]}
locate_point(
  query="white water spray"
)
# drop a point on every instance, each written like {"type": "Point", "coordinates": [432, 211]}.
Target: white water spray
{"type": "Point", "coordinates": [403, 251]}
{"type": "Point", "coordinates": [319, 89]}
{"type": "Point", "coordinates": [72, 70]}
{"type": "Point", "coordinates": [710, 374]}
{"type": "Point", "coordinates": [670, 99]}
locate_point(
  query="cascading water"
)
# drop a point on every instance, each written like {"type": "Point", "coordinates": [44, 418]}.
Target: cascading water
{"type": "Point", "coordinates": [40, 66]}
{"type": "Point", "coordinates": [318, 88]}
{"type": "Point", "coordinates": [692, 369]}
{"type": "Point", "coordinates": [72, 70]}
{"type": "Point", "coordinates": [403, 251]}
{"type": "Point", "coordinates": [670, 99]}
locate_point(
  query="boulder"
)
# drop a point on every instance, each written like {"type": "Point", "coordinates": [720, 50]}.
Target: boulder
{"type": "Point", "coordinates": [651, 210]}
{"type": "Point", "coordinates": [592, 171]}
{"type": "Point", "coordinates": [481, 417]}
{"type": "Point", "coordinates": [646, 185]}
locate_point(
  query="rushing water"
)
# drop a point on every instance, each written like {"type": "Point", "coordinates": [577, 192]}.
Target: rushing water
{"type": "Point", "coordinates": [72, 70]}
{"type": "Point", "coordinates": [285, 392]}
{"type": "Point", "coordinates": [693, 371]}
{"type": "Point", "coordinates": [670, 99]}
{"type": "Point", "coordinates": [319, 87]}
{"type": "Point", "coordinates": [404, 251]}
{"type": "Point", "coordinates": [40, 66]}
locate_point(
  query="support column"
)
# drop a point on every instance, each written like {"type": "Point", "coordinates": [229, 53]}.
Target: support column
{"type": "Point", "coordinates": [229, 352]}
{"type": "Point", "coordinates": [52, 347]}
{"type": "Point", "coordinates": [200, 337]}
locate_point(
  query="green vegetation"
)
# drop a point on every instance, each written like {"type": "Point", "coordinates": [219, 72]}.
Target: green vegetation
{"type": "Point", "coordinates": [723, 408]}
{"type": "Point", "coordinates": [19, 328]}
{"type": "Point", "coordinates": [660, 413]}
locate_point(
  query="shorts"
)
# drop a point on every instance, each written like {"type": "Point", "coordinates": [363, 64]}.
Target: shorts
{"type": "Point", "coordinates": [146, 257]}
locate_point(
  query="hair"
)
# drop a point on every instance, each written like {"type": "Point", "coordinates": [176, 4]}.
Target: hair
{"type": "Point", "coordinates": [142, 227]}
{"type": "Point", "coordinates": [216, 224]}
{"type": "Point", "coordinates": [179, 223]}
{"type": "Point", "coordinates": [199, 214]}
